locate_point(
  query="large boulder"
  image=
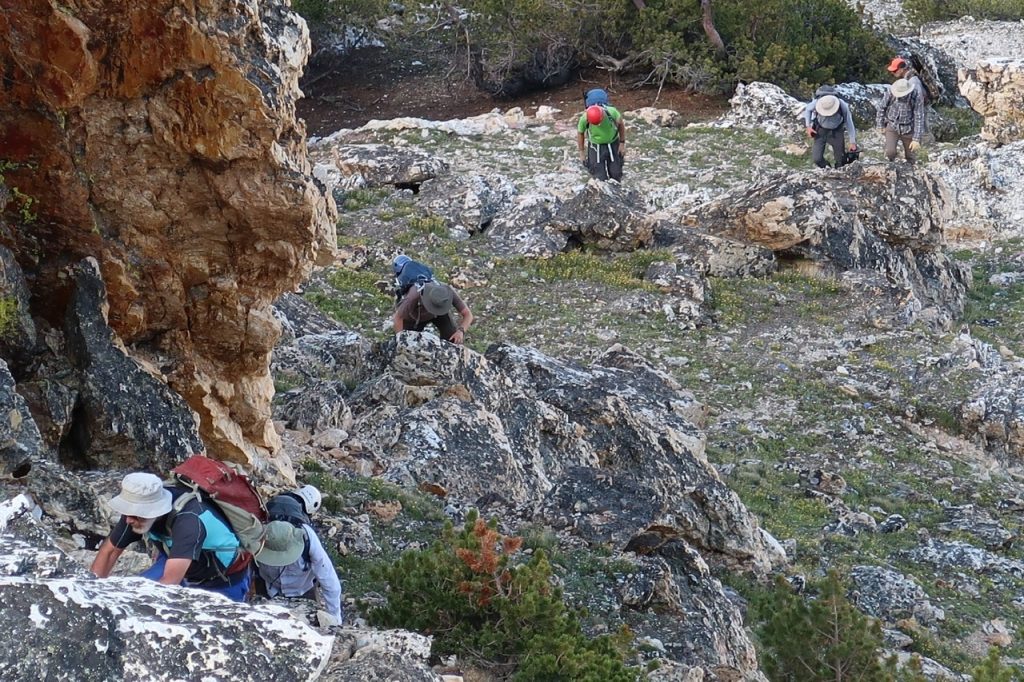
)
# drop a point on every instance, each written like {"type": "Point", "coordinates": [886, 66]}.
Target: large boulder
{"type": "Point", "coordinates": [606, 216]}
{"type": "Point", "coordinates": [995, 89]}
{"type": "Point", "coordinates": [766, 107]}
{"type": "Point", "coordinates": [174, 158]}
{"type": "Point", "coordinates": [125, 417]}
{"type": "Point", "coordinates": [885, 218]}
{"type": "Point", "coordinates": [346, 166]}
{"type": "Point", "coordinates": [64, 624]}
{"type": "Point", "coordinates": [542, 434]}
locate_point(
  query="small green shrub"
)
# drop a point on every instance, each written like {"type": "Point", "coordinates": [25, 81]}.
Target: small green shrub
{"type": "Point", "coordinates": [505, 617]}
{"type": "Point", "coordinates": [993, 670]}
{"type": "Point", "coordinates": [822, 640]}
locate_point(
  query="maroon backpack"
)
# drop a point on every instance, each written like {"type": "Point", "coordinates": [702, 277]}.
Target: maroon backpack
{"type": "Point", "coordinates": [230, 490]}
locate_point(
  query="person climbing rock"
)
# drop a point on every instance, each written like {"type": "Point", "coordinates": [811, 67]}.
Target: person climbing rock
{"type": "Point", "coordinates": [422, 301]}
{"type": "Point", "coordinates": [828, 120]}
{"type": "Point", "coordinates": [194, 545]}
{"type": "Point", "coordinates": [601, 138]}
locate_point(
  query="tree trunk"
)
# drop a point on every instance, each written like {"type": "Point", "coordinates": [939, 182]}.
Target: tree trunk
{"type": "Point", "coordinates": [708, 22]}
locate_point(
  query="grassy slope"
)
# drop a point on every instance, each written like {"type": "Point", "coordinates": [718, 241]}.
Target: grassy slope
{"type": "Point", "coordinates": [766, 366]}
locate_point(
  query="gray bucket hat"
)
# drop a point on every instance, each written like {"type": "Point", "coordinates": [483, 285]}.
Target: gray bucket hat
{"type": "Point", "coordinates": [142, 495]}
{"type": "Point", "coordinates": [282, 545]}
{"type": "Point", "coordinates": [436, 298]}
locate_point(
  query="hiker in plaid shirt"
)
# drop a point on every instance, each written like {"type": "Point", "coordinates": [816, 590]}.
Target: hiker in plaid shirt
{"type": "Point", "coordinates": [901, 116]}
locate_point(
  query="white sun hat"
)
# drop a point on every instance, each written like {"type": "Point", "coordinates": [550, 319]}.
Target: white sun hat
{"type": "Point", "coordinates": [901, 88]}
{"type": "Point", "coordinates": [827, 105]}
{"type": "Point", "coordinates": [142, 495]}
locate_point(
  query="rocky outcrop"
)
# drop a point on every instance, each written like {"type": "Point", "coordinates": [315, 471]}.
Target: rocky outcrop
{"type": "Point", "coordinates": [173, 157]}
{"type": "Point", "coordinates": [126, 418]}
{"type": "Point", "coordinates": [20, 441]}
{"type": "Point", "coordinates": [884, 218]}
{"type": "Point", "coordinates": [995, 89]}
{"type": "Point", "coordinates": [540, 433]}
{"type": "Point", "coordinates": [764, 106]}
{"type": "Point", "coordinates": [984, 183]}
{"type": "Point", "coordinates": [604, 215]}
{"type": "Point", "coordinates": [62, 622]}
{"type": "Point", "coordinates": [374, 165]}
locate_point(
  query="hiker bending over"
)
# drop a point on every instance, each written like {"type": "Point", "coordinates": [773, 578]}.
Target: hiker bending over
{"type": "Point", "coordinates": [422, 300]}
{"type": "Point", "coordinates": [828, 119]}
{"type": "Point", "coordinates": [601, 137]}
{"type": "Point", "coordinates": [195, 546]}
{"type": "Point", "coordinates": [901, 116]}
{"type": "Point", "coordinates": [294, 564]}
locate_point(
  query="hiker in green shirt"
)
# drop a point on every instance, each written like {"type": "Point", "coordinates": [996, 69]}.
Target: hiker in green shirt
{"type": "Point", "coordinates": [601, 138]}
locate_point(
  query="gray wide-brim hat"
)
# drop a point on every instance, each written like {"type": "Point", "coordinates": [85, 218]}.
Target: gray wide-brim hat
{"type": "Point", "coordinates": [282, 544]}
{"type": "Point", "coordinates": [827, 105]}
{"type": "Point", "coordinates": [436, 298]}
{"type": "Point", "coordinates": [142, 495]}
{"type": "Point", "coordinates": [901, 88]}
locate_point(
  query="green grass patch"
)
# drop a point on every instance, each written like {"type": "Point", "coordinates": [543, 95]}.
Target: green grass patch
{"type": "Point", "coordinates": [625, 271]}
{"type": "Point", "coordinates": [358, 199]}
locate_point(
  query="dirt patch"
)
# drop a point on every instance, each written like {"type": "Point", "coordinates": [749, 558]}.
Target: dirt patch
{"type": "Point", "coordinates": [378, 83]}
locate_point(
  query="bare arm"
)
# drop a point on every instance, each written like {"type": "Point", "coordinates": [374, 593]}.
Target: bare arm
{"type": "Point", "coordinates": [174, 571]}
{"type": "Point", "coordinates": [397, 322]}
{"type": "Point", "coordinates": [105, 559]}
{"type": "Point", "coordinates": [581, 145]}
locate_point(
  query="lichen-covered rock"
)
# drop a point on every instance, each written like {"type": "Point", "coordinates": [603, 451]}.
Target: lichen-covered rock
{"type": "Point", "coordinates": [884, 218]}
{"type": "Point", "coordinates": [994, 414]}
{"type": "Point", "coordinates": [609, 451]}
{"type": "Point", "coordinates": [127, 419]}
{"type": "Point", "coordinates": [995, 89]}
{"type": "Point", "coordinates": [63, 624]}
{"type": "Point", "coordinates": [299, 317]}
{"type": "Point", "coordinates": [606, 216]}
{"type": "Point", "coordinates": [984, 183]}
{"type": "Point", "coordinates": [20, 441]}
{"type": "Point", "coordinates": [337, 355]}
{"type": "Point", "coordinates": [317, 407]}
{"type": "Point", "coordinates": [764, 106]}
{"type": "Point", "coordinates": [374, 165]}
{"type": "Point", "coordinates": [172, 156]}
{"type": "Point", "coordinates": [889, 595]}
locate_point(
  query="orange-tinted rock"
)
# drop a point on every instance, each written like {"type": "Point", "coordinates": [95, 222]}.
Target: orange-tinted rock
{"type": "Point", "coordinates": [160, 138]}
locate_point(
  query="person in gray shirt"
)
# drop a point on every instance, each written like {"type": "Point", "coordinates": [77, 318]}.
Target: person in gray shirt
{"type": "Point", "coordinates": [828, 120]}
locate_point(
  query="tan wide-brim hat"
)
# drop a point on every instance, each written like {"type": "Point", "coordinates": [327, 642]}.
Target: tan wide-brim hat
{"type": "Point", "coordinates": [142, 495]}
{"type": "Point", "coordinates": [901, 88]}
{"type": "Point", "coordinates": [827, 105]}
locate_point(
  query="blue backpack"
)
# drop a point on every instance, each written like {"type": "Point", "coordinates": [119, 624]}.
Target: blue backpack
{"type": "Point", "coordinates": [596, 96]}
{"type": "Point", "coordinates": [412, 273]}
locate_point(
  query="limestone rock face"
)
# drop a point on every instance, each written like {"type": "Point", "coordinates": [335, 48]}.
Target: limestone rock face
{"type": "Point", "coordinates": [885, 218]}
{"type": "Point", "coordinates": [63, 621]}
{"type": "Point", "coordinates": [995, 89]}
{"type": "Point", "coordinates": [161, 140]}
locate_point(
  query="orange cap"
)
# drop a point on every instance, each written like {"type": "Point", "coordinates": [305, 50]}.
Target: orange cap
{"type": "Point", "coordinates": [896, 64]}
